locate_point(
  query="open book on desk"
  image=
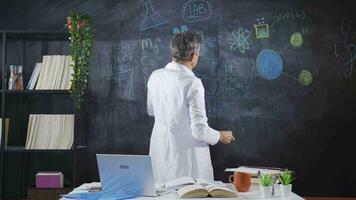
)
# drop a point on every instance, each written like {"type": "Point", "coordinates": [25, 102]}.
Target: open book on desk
{"type": "Point", "coordinates": [189, 188]}
{"type": "Point", "coordinates": [199, 191]}
{"type": "Point", "coordinates": [178, 183]}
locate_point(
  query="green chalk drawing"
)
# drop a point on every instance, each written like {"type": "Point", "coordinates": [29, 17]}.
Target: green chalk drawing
{"type": "Point", "coordinates": [241, 40]}
{"type": "Point", "coordinates": [261, 30]}
{"type": "Point", "coordinates": [305, 77]}
{"type": "Point", "coordinates": [296, 39]}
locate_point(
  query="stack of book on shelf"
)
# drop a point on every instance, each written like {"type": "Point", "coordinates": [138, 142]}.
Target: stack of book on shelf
{"type": "Point", "coordinates": [50, 131]}
{"type": "Point", "coordinates": [34, 77]}
{"type": "Point", "coordinates": [54, 73]}
{"type": "Point", "coordinates": [187, 187]}
{"type": "Point", "coordinates": [6, 137]}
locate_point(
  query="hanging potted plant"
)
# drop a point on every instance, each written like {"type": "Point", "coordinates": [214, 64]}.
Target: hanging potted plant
{"type": "Point", "coordinates": [266, 182]}
{"type": "Point", "coordinates": [285, 178]}
{"type": "Point", "coordinates": [81, 39]}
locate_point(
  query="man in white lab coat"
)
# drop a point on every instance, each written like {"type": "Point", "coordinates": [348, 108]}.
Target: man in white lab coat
{"type": "Point", "coordinates": [181, 135]}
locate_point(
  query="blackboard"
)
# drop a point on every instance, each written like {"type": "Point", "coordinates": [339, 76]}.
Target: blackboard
{"type": "Point", "coordinates": [286, 116]}
{"type": "Point", "coordinates": [299, 114]}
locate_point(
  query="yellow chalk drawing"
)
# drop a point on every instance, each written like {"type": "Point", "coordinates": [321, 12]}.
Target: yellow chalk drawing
{"type": "Point", "coordinates": [305, 77]}
{"type": "Point", "coordinates": [296, 39]}
{"type": "Point", "coordinates": [261, 30]}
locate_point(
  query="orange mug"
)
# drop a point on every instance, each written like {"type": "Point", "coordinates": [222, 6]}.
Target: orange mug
{"type": "Point", "coordinates": [241, 181]}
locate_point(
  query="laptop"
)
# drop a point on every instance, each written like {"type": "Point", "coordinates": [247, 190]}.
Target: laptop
{"type": "Point", "coordinates": [127, 174]}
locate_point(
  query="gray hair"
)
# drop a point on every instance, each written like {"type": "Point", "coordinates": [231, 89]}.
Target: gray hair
{"type": "Point", "coordinates": [184, 44]}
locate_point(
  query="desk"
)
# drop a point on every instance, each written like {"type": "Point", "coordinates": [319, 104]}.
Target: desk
{"type": "Point", "coordinates": [252, 194]}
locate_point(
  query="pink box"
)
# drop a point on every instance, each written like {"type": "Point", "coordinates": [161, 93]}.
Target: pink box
{"type": "Point", "coordinates": [49, 180]}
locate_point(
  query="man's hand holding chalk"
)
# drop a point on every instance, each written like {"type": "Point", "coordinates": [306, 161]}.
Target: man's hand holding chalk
{"type": "Point", "coordinates": [226, 137]}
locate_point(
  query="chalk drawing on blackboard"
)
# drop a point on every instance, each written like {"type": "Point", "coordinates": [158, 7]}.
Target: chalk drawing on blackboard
{"type": "Point", "coordinates": [196, 10]}
{"type": "Point", "coordinates": [203, 48]}
{"type": "Point", "coordinates": [241, 40]}
{"type": "Point", "coordinates": [269, 64]}
{"type": "Point", "coordinates": [123, 56]}
{"type": "Point", "coordinates": [211, 42]}
{"type": "Point", "coordinates": [147, 43]}
{"type": "Point", "coordinates": [305, 77]}
{"type": "Point", "coordinates": [126, 83]}
{"type": "Point", "coordinates": [353, 37]}
{"type": "Point", "coordinates": [148, 61]}
{"type": "Point", "coordinates": [149, 57]}
{"type": "Point", "coordinates": [152, 18]}
{"type": "Point", "coordinates": [213, 90]}
{"type": "Point", "coordinates": [335, 51]}
{"type": "Point", "coordinates": [289, 16]}
{"type": "Point", "coordinates": [284, 48]}
{"type": "Point", "coordinates": [182, 28]}
{"type": "Point", "coordinates": [122, 70]}
{"type": "Point", "coordinates": [351, 49]}
{"type": "Point", "coordinates": [296, 39]}
{"type": "Point", "coordinates": [307, 30]}
{"type": "Point", "coordinates": [232, 82]}
{"type": "Point", "coordinates": [345, 28]}
{"type": "Point", "coordinates": [290, 76]}
{"type": "Point", "coordinates": [261, 29]}
{"type": "Point", "coordinates": [315, 72]}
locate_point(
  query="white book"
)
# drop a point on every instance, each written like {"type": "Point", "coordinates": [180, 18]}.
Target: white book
{"type": "Point", "coordinates": [44, 74]}
{"type": "Point", "coordinates": [40, 76]}
{"type": "Point", "coordinates": [69, 132]}
{"type": "Point", "coordinates": [52, 73]}
{"type": "Point", "coordinates": [6, 137]}
{"type": "Point", "coordinates": [254, 170]}
{"type": "Point", "coordinates": [34, 76]}
{"type": "Point", "coordinates": [199, 191]}
{"type": "Point", "coordinates": [29, 132]}
{"type": "Point", "coordinates": [184, 181]}
{"type": "Point", "coordinates": [68, 74]}
{"type": "Point", "coordinates": [63, 82]}
{"type": "Point", "coordinates": [50, 131]}
{"type": "Point", "coordinates": [45, 128]}
{"type": "Point", "coordinates": [39, 65]}
{"type": "Point", "coordinates": [58, 72]}
{"type": "Point", "coordinates": [56, 132]}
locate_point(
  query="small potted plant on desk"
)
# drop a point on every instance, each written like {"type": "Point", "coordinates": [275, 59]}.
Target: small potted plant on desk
{"type": "Point", "coordinates": [266, 182]}
{"type": "Point", "coordinates": [285, 178]}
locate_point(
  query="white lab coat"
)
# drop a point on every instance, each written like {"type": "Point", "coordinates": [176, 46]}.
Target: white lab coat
{"type": "Point", "coordinates": [181, 135]}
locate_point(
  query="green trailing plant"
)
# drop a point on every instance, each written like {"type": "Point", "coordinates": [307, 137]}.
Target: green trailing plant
{"type": "Point", "coordinates": [81, 39]}
{"type": "Point", "coordinates": [286, 177]}
{"type": "Point", "coordinates": [266, 179]}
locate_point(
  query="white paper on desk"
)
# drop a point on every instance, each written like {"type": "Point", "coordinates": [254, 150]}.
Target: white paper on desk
{"type": "Point", "coordinates": [179, 182]}
{"type": "Point", "coordinates": [204, 182]}
{"type": "Point", "coordinates": [89, 186]}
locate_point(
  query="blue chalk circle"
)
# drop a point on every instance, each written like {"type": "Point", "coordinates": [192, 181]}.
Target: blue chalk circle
{"type": "Point", "coordinates": [269, 64]}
